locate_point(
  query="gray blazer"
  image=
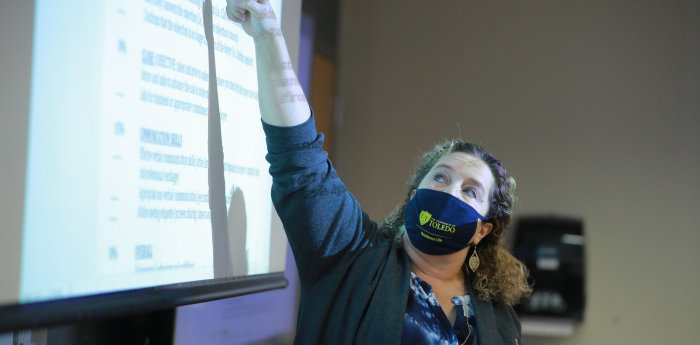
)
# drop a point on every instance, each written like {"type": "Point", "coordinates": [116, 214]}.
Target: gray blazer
{"type": "Point", "coordinates": [495, 324]}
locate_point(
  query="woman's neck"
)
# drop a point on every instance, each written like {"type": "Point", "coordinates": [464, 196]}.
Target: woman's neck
{"type": "Point", "coordinates": [435, 268]}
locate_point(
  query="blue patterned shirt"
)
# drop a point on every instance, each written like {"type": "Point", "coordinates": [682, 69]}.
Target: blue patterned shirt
{"type": "Point", "coordinates": [426, 323]}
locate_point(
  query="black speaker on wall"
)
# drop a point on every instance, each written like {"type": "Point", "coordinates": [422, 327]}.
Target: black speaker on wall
{"type": "Point", "coordinates": [553, 249]}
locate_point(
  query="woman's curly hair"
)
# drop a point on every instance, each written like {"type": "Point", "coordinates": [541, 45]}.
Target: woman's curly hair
{"type": "Point", "coordinates": [500, 277]}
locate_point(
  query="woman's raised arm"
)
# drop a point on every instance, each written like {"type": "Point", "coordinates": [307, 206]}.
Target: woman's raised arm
{"type": "Point", "coordinates": [326, 227]}
{"type": "Point", "coordinates": [282, 101]}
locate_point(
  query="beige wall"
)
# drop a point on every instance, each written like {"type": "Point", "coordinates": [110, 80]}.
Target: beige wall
{"type": "Point", "coordinates": [593, 107]}
{"type": "Point", "coordinates": [16, 28]}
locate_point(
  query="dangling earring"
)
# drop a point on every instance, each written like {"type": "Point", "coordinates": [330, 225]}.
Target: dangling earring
{"type": "Point", "coordinates": [474, 260]}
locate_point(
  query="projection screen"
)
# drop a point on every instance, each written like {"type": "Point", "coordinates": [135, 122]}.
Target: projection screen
{"type": "Point", "coordinates": [123, 121]}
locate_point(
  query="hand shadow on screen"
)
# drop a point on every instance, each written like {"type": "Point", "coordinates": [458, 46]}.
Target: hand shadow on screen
{"type": "Point", "coordinates": [228, 229]}
{"type": "Point", "coordinates": [237, 228]}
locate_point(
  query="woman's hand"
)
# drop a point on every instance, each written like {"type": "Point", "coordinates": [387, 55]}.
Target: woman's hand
{"type": "Point", "coordinates": [280, 97]}
{"type": "Point", "coordinates": [256, 17]}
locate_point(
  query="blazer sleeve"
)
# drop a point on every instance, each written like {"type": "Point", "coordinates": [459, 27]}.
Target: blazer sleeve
{"type": "Point", "coordinates": [323, 221]}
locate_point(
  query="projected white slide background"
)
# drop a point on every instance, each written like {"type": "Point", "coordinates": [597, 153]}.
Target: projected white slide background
{"type": "Point", "coordinates": [117, 182]}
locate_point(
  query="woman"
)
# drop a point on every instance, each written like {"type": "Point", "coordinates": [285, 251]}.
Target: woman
{"type": "Point", "coordinates": [432, 273]}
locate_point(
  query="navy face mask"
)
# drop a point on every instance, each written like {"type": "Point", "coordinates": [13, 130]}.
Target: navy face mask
{"type": "Point", "coordinates": [438, 223]}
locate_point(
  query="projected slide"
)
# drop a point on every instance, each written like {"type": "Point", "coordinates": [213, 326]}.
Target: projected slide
{"type": "Point", "coordinates": [120, 162]}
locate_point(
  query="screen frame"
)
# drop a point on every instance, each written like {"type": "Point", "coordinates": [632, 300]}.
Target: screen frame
{"type": "Point", "coordinates": [16, 38]}
{"type": "Point", "coordinates": [137, 301]}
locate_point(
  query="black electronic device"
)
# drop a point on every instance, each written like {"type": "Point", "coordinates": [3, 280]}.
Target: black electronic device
{"type": "Point", "coordinates": [553, 249]}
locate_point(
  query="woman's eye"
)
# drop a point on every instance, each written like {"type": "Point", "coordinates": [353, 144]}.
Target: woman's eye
{"type": "Point", "coordinates": [470, 192]}
{"type": "Point", "coordinates": [439, 178]}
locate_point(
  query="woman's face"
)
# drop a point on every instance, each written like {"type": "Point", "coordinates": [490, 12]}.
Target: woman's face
{"type": "Point", "coordinates": [464, 176]}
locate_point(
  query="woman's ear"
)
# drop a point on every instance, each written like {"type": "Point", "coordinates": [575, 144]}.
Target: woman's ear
{"type": "Point", "coordinates": [483, 230]}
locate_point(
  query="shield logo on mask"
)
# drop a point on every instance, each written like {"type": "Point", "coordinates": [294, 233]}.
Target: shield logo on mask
{"type": "Point", "coordinates": [424, 217]}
